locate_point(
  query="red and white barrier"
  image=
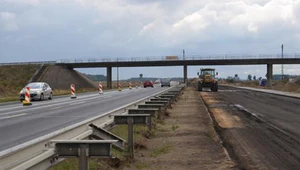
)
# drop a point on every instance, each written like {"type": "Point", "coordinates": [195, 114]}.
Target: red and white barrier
{"type": "Point", "coordinates": [130, 86]}
{"type": "Point", "coordinates": [120, 87]}
{"type": "Point", "coordinates": [73, 94]}
{"type": "Point", "coordinates": [100, 88]}
{"type": "Point", "coordinates": [26, 101]}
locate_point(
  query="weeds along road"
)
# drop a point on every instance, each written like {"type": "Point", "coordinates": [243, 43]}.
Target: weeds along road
{"type": "Point", "coordinates": [19, 123]}
{"type": "Point", "coordinates": [268, 140]}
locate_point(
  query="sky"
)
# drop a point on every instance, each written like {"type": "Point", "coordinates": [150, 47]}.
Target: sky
{"type": "Point", "coordinates": [52, 30]}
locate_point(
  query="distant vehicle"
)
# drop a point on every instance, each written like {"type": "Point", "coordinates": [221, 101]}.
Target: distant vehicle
{"type": "Point", "coordinates": [165, 82]}
{"type": "Point", "coordinates": [157, 81]}
{"type": "Point", "coordinates": [38, 91]}
{"type": "Point", "coordinates": [208, 78]}
{"type": "Point", "coordinates": [148, 83]}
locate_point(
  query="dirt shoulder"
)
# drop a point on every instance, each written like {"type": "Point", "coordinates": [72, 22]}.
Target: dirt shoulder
{"type": "Point", "coordinates": [186, 140]}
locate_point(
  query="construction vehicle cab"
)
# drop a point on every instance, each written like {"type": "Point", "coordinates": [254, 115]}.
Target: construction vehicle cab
{"type": "Point", "coordinates": [207, 79]}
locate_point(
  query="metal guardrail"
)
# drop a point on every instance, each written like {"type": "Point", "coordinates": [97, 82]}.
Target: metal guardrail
{"type": "Point", "coordinates": [38, 153]}
{"type": "Point", "coordinates": [181, 58]}
{"type": "Point", "coordinates": [28, 63]}
{"type": "Point", "coordinates": [164, 58]}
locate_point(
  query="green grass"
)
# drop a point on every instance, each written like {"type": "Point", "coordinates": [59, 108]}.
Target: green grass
{"type": "Point", "coordinates": [165, 148]}
{"type": "Point", "coordinates": [72, 163]}
{"type": "Point", "coordinates": [121, 131]}
{"type": "Point", "coordinates": [141, 165]}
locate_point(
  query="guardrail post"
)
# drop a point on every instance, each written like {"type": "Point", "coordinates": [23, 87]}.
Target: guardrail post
{"type": "Point", "coordinates": [83, 152]}
{"type": "Point", "coordinates": [130, 136]}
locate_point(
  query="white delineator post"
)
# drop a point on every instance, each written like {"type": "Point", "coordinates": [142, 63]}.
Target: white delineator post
{"type": "Point", "coordinates": [73, 95]}
{"type": "Point", "coordinates": [26, 101]}
{"type": "Point", "coordinates": [100, 88]}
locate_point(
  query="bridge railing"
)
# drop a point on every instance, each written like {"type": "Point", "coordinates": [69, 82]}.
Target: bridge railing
{"type": "Point", "coordinates": [164, 58]}
{"type": "Point", "coordinates": [28, 63]}
{"type": "Point", "coordinates": [190, 57]}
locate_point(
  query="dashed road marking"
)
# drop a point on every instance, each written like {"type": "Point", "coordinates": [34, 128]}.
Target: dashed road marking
{"type": "Point", "coordinates": [76, 103]}
{"type": "Point", "coordinates": [7, 117]}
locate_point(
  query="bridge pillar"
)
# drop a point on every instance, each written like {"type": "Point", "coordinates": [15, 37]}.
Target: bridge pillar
{"type": "Point", "coordinates": [109, 77]}
{"type": "Point", "coordinates": [269, 74]}
{"type": "Point", "coordinates": [185, 73]}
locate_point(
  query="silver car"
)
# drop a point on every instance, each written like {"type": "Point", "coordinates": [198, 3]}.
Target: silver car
{"type": "Point", "coordinates": [38, 91]}
{"type": "Point", "coordinates": [165, 82]}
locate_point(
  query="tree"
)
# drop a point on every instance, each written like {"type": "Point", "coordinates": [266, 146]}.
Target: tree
{"type": "Point", "coordinates": [249, 77]}
{"type": "Point", "coordinates": [141, 75]}
{"type": "Point", "coordinates": [254, 77]}
{"type": "Point", "coordinates": [236, 77]}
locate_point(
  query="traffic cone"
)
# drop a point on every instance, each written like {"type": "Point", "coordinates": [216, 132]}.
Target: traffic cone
{"type": "Point", "coordinates": [73, 95]}
{"type": "Point", "coordinates": [130, 86]}
{"type": "Point", "coordinates": [100, 88]}
{"type": "Point", "coordinates": [26, 101]}
{"type": "Point", "coordinates": [120, 87]}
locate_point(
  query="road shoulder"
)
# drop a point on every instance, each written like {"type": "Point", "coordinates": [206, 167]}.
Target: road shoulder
{"type": "Point", "coordinates": [186, 140]}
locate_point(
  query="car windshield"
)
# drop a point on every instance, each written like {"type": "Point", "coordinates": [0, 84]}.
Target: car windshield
{"type": "Point", "coordinates": [34, 85]}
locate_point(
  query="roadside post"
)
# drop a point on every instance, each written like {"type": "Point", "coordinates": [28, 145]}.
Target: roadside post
{"type": "Point", "coordinates": [131, 120]}
{"type": "Point", "coordinates": [130, 86]}
{"type": "Point", "coordinates": [100, 88]}
{"type": "Point", "coordinates": [73, 95]}
{"type": "Point", "coordinates": [120, 87]}
{"type": "Point", "coordinates": [26, 101]}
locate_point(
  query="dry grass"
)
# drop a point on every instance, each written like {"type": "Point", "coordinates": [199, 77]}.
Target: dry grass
{"type": "Point", "coordinates": [13, 78]}
{"type": "Point", "coordinates": [141, 134]}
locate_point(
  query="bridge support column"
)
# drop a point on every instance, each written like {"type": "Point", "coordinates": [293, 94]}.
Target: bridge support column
{"type": "Point", "coordinates": [269, 74]}
{"type": "Point", "coordinates": [109, 77]}
{"type": "Point", "coordinates": [185, 73]}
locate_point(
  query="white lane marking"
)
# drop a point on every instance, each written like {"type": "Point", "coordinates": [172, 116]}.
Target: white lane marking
{"type": "Point", "coordinates": [76, 103]}
{"type": "Point", "coordinates": [72, 102]}
{"type": "Point", "coordinates": [56, 108]}
{"type": "Point", "coordinates": [34, 107]}
{"type": "Point", "coordinates": [7, 117]}
{"type": "Point", "coordinates": [58, 100]}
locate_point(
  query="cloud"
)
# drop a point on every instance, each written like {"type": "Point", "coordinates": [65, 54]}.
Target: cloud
{"type": "Point", "coordinates": [8, 21]}
{"type": "Point", "coordinates": [22, 2]}
{"type": "Point", "coordinates": [130, 28]}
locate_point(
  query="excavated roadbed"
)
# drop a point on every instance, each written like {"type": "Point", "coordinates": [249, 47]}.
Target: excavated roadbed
{"type": "Point", "coordinates": [251, 142]}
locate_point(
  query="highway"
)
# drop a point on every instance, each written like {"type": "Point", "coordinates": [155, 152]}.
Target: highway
{"type": "Point", "coordinates": [260, 130]}
{"type": "Point", "coordinates": [19, 124]}
{"type": "Point", "coordinates": [280, 111]}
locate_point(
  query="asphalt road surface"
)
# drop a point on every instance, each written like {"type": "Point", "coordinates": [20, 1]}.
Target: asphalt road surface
{"type": "Point", "coordinates": [19, 123]}
{"type": "Point", "coordinates": [281, 111]}
{"type": "Point", "coordinates": [269, 140]}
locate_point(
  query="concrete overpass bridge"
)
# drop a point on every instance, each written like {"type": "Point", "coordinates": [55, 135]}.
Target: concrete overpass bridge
{"type": "Point", "coordinates": [268, 60]}
{"type": "Point", "coordinates": [183, 61]}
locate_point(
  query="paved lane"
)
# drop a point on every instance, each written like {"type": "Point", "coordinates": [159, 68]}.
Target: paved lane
{"type": "Point", "coordinates": [19, 123]}
{"type": "Point", "coordinates": [281, 111]}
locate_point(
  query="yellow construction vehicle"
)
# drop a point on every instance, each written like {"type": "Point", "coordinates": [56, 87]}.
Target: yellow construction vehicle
{"type": "Point", "coordinates": [207, 79]}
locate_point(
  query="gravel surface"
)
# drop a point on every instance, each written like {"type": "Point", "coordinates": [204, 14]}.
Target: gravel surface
{"type": "Point", "coordinates": [188, 137]}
